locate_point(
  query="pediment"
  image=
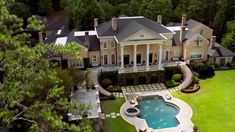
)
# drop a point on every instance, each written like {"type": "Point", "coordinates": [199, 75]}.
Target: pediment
{"type": "Point", "coordinates": [143, 35]}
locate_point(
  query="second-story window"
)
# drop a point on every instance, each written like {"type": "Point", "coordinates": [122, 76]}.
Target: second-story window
{"type": "Point", "coordinates": [105, 45]}
{"type": "Point", "coordinates": [112, 45]}
{"type": "Point", "coordinates": [94, 58]}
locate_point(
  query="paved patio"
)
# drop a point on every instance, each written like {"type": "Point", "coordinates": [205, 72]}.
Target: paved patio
{"type": "Point", "coordinates": [145, 87]}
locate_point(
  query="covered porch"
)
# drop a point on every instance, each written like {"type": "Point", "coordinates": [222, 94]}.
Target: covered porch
{"type": "Point", "coordinates": [136, 57]}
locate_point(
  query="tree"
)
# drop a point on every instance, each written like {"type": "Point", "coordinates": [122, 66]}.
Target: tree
{"type": "Point", "coordinates": [229, 38]}
{"type": "Point", "coordinates": [107, 8]}
{"type": "Point", "coordinates": [44, 6]}
{"type": "Point", "coordinates": [134, 6]}
{"type": "Point", "coordinates": [20, 9]}
{"type": "Point", "coordinates": [26, 103]}
{"type": "Point", "coordinates": [152, 8]}
{"type": "Point", "coordinates": [82, 13]}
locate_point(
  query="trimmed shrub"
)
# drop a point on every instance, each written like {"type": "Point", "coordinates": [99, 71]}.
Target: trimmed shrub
{"type": "Point", "coordinates": [106, 83]}
{"type": "Point", "coordinates": [195, 77]}
{"type": "Point", "coordinates": [172, 83]}
{"type": "Point", "coordinates": [177, 77]}
{"type": "Point", "coordinates": [114, 89]}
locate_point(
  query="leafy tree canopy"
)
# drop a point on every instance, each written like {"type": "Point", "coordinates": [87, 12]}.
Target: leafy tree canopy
{"type": "Point", "coordinates": [28, 104]}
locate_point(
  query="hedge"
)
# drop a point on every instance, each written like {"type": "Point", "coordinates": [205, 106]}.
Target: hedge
{"type": "Point", "coordinates": [122, 76]}
{"type": "Point", "coordinates": [106, 83]}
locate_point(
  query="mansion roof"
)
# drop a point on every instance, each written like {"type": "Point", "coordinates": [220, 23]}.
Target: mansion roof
{"type": "Point", "coordinates": [130, 25]}
{"type": "Point", "coordinates": [220, 51]}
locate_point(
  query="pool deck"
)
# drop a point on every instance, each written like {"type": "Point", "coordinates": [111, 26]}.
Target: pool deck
{"type": "Point", "coordinates": [184, 116]}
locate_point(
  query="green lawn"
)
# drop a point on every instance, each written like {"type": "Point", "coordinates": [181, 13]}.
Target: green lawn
{"type": "Point", "coordinates": [214, 105]}
{"type": "Point", "coordinates": [115, 124]}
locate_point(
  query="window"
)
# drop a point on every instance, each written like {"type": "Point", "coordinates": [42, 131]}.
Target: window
{"type": "Point", "coordinates": [196, 55]}
{"type": "Point", "coordinates": [112, 45]}
{"type": "Point", "coordinates": [94, 58]}
{"type": "Point", "coordinates": [177, 53]}
{"type": "Point", "coordinates": [105, 45]}
{"type": "Point", "coordinates": [197, 42]}
{"type": "Point", "coordinates": [76, 63]}
{"type": "Point", "coordinates": [113, 58]}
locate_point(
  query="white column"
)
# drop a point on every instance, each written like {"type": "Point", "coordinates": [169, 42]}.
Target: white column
{"type": "Point", "coordinates": [147, 56]}
{"type": "Point", "coordinates": [122, 57]}
{"type": "Point", "coordinates": [135, 67]}
{"type": "Point", "coordinates": [160, 58]}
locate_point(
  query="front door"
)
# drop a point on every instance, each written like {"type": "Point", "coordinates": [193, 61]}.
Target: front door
{"type": "Point", "coordinates": [126, 59]}
{"type": "Point", "coordinates": [150, 58]}
{"type": "Point", "coordinates": [167, 55]}
{"type": "Point", "coordinates": [113, 59]}
{"type": "Point", "coordinates": [138, 58]}
{"type": "Point", "coordinates": [105, 59]}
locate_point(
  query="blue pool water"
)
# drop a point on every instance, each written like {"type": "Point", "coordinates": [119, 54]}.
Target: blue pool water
{"type": "Point", "coordinates": [157, 113]}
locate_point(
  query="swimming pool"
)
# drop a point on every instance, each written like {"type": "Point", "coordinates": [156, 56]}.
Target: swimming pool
{"type": "Point", "coordinates": [157, 113]}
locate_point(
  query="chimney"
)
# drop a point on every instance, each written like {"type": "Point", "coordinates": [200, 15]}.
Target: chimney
{"type": "Point", "coordinates": [87, 39]}
{"type": "Point", "coordinates": [159, 19]}
{"type": "Point", "coordinates": [182, 36]}
{"type": "Point", "coordinates": [114, 24]}
{"type": "Point", "coordinates": [184, 18]}
{"type": "Point", "coordinates": [96, 22]}
{"type": "Point", "coordinates": [213, 40]}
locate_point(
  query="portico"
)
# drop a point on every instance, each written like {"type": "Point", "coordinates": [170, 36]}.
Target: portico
{"type": "Point", "coordinates": [142, 57]}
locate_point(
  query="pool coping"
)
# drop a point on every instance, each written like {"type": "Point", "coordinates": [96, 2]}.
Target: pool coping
{"type": "Point", "coordinates": [184, 115]}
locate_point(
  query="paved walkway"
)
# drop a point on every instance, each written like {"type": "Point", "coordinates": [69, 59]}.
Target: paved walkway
{"type": "Point", "coordinates": [111, 115]}
{"type": "Point", "coordinates": [145, 87]}
{"type": "Point", "coordinates": [120, 95]}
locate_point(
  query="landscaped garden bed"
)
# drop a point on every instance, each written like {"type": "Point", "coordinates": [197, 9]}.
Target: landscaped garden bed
{"type": "Point", "coordinates": [192, 88]}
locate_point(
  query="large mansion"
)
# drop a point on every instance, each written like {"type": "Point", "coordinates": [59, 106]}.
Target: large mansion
{"type": "Point", "coordinates": [138, 41]}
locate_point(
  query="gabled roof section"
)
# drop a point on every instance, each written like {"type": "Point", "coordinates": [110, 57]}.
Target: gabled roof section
{"type": "Point", "coordinates": [79, 37]}
{"type": "Point", "coordinates": [125, 27]}
{"type": "Point", "coordinates": [55, 25]}
{"type": "Point", "coordinates": [192, 23]}
{"type": "Point", "coordinates": [132, 28]}
{"type": "Point", "coordinates": [220, 51]}
{"type": "Point", "coordinates": [188, 35]}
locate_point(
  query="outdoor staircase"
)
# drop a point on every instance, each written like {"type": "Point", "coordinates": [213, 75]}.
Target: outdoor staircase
{"type": "Point", "coordinates": [97, 85]}
{"type": "Point", "coordinates": [188, 76]}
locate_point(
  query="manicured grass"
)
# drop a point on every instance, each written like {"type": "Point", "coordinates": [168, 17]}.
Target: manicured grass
{"type": "Point", "coordinates": [115, 124]}
{"type": "Point", "coordinates": [118, 125]}
{"type": "Point", "coordinates": [109, 106]}
{"type": "Point", "coordinates": [214, 104]}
